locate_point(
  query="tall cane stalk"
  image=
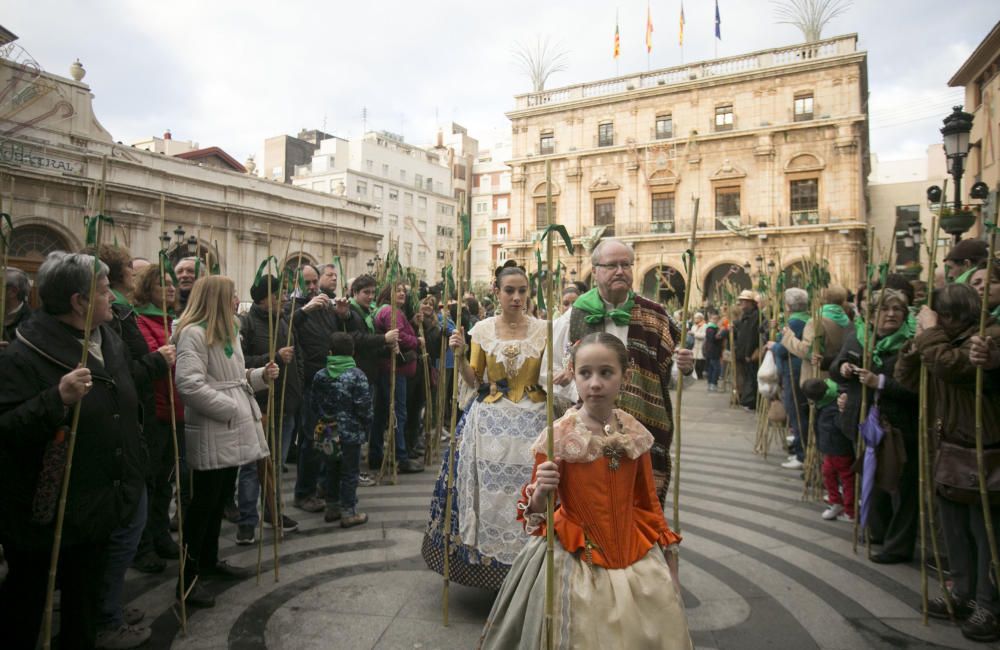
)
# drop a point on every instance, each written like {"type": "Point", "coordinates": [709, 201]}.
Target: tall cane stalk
{"type": "Point", "coordinates": [389, 455]}
{"type": "Point", "coordinates": [4, 245]}
{"type": "Point", "coordinates": [171, 400]}
{"type": "Point", "coordinates": [550, 501]}
{"type": "Point", "coordinates": [74, 424]}
{"type": "Point", "coordinates": [449, 484]}
{"type": "Point", "coordinates": [293, 282]}
{"type": "Point", "coordinates": [984, 313]}
{"type": "Point", "coordinates": [442, 370]}
{"type": "Point", "coordinates": [428, 411]}
{"type": "Point", "coordinates": [689, 263]}
{"type": "Point", "coordinates": [926, 484]}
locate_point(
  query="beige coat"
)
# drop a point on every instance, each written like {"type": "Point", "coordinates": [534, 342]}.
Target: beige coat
{"type": "Point", "coordinates": [834, 340]}
{"type": "Point", "coordinates": [222, 422]}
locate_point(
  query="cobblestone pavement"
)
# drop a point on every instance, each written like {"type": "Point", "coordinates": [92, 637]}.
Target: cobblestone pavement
{"type": "Point", "coordinates": [760, 569]}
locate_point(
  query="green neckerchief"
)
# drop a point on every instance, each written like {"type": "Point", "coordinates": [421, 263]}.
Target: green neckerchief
{"type": "Point", "coordinates": [338, 364]}
{"type": "Point", "coordinates": [887, 344]}
{"type": "Point", "coordinates": [597, 310]}
{"type": "Point", "coordinates": [799, 315]}
{"type": "Point", "coordinates": [228, 347]}
{"type": "Point", "coordinates": [711, 324]}
{"type": "Point", "coordinates": [151, 310]}
{"type": "Point", "coordinates": [367, 314]}
{"type": "Point", "coordinates": [120, 298]}
{"type": "Point", "coordinates": [964, 278]}
{"type": "Point", "coordinates": [836, 314]}
{"type": "Point", "coordinates": [829, 396]}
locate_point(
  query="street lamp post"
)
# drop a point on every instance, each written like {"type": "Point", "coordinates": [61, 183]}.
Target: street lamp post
{"type": "Point", "coordinates": [955, 133]}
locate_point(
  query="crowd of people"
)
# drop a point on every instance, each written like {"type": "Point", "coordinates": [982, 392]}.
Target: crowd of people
{"type": "Point", "coordinates": [308, 379]}
{"type": "Point", "coordinates": [839, 386]}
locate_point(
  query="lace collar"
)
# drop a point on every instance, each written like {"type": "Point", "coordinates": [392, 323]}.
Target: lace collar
{"type": "Point", "coordinates": [511, 353]}
{"type": "Point", "coordinates": [575, 443]}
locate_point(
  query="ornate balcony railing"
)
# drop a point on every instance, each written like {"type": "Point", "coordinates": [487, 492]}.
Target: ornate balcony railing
{"type": "Point", "coordinates": [763, 59]}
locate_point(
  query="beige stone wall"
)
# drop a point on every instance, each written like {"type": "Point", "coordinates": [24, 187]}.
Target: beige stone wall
{"type": "Point", "coordinates": [55, 151]}
{"type": "Point", "coordinates": [764, 152]}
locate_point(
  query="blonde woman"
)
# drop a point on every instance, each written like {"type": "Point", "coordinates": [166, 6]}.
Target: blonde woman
{"type": "Point", "coordinates": [222, 427]}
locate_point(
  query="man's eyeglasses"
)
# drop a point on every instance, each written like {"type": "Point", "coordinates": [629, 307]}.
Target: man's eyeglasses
{"type": "Point", "coordinates": [624, 266]}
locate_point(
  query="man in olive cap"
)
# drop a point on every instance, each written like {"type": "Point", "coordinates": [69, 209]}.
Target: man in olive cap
{"type": "Point", "coordinates": [963, 258]}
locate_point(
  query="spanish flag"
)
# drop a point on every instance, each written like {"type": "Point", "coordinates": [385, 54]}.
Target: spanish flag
{"type": "Point", "coordinates": [618, 48]}
{"type": "Point", "coordinates": [649, 30]}
{"type": "Point", "coordinates": [681, 39]}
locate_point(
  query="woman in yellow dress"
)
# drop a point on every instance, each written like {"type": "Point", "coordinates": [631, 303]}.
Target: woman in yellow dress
{"type": "Point", "coordinates": [493, 458]}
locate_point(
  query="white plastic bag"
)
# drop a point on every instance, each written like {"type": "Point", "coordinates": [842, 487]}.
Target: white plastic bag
{"type": "Point", "coordinates": [768, 371]}
{"type": "Point", "coordinates": [767, 376]}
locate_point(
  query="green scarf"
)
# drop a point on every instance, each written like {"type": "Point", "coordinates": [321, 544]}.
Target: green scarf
{"type": "Point", "coordinates": [367, 314]}
{"type": "Point", "coordinates": [829, 396]}
{"type": "Point", "coordinates": [120, 298]}
{"type": "Point", "coordinates": [338, 364]}
{"type": "Point", "coordinates": [836, 314]}
{"type": "Point", "coordinates": [228, 347]}
{"type": "Point", "coordinates": [151, 310]}
{"type": "Point", "coordinates": [887, 345]}
{"type": "Point", "coordinates": [592, 303]}
{"type": "Point", "coordinates": [965, 277]}
{"type": "Point", "coordinates": [799, 315]}
{"type": "Point", "coordinates": [711, 324]}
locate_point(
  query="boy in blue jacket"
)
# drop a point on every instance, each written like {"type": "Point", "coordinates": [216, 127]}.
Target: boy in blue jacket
{"type": "Point", "coordinates": [342, 401]}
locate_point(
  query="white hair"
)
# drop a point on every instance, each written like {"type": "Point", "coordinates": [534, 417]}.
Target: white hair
{"type": "Point", "coordinates": [595, 254]}
{"type": "Point", "coordinates": [797, 299]}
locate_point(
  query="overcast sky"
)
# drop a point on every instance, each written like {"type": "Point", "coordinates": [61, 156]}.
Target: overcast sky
{"type": "Point", "coordinates": [232, 73]}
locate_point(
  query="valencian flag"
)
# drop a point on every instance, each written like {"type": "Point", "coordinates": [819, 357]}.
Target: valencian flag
{"type": "Point", "coordinates": [649, 30]}
{"type": "Point", "coordinates": [718, 22]}
{"type": "Point", "coordinates": [681, 39]}
{"type": "Point", "coordinates": [618, 48]}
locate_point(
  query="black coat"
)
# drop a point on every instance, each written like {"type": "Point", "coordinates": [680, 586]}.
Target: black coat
{"type": "Point", "coordinates": [21, 316]}
{"type": "Point", "coordinates": [145, 365]}
{"type": "Point", "coordinates": [898, 404]}
{"type": "Point", "coordinates": [107, 476]}
{"type": "Point", "coordinates": [369, 347]}
{"type": "Point", "coordinates": [312, 331]}
{"type": "Point", "coordinates": [715, 342]}
{"type": "Point", "coordinates": [253, 338]}
{"type": "Point", "coordinates": [747, 335]}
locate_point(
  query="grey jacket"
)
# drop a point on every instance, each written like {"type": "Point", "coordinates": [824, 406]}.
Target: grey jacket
{"type": "Point", "coordinates": [222, 422]}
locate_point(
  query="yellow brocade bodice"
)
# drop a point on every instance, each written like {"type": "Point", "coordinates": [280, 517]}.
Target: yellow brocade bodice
{"type": "Point", "coordinates": [516, 361]}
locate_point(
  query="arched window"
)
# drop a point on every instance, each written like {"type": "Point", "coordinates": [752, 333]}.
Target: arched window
{"type": "Point", "coordinates": [35, 242]}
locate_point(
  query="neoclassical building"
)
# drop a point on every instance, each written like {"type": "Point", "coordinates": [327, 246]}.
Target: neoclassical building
{"type": "Point", "coordinates": [773, 145]}
{"type": "Point", "coordinates": [53, 152]}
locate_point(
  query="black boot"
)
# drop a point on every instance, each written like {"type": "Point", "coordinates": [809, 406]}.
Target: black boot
{"type": "Point", "coordinates": [197, 595]}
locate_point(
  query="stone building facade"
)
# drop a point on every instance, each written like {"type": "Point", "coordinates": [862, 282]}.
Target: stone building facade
{"type": "Point", "coordinates": [980, 76]}
{"type": "Point", "coordinates": [773, 145]}
{"type": "Point", "coordinates": [53, 152]}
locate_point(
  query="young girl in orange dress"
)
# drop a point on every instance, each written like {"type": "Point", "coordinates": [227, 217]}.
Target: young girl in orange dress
{"type": "Point", "coordinates": [616, 558]}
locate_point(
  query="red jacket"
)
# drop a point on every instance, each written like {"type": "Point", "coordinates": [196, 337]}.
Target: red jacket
{"type": "Point", "coordinates": [152, 330]}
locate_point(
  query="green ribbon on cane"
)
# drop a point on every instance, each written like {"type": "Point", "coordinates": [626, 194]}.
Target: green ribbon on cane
{"type": "Point", "coordinates": [167, 266]}
{"type": "Point", "coordinates": [90, 225]}
{"type": "Point", "coordinates": [5, 239]}
{"type": "Point", "coordinates": [539, 285]}
{"type": "Point", "coordinates": [560, 230]}
{"type": "Point", "coordinates": [260, 269]}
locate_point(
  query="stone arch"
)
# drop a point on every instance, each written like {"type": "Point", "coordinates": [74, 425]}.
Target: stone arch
{"type": "Point", "coordinates": [204, 251]}
{"type": "Point", "coordinates": [34, 241]}
{"type": "Point", "coordinates": [795, 274]}
{"type": "Point", "coordinates": [668, 279]}
{"type": "Point", "coordinates": [540, 190]}
{"type": "Point", "coordinates": [663, 178]}
{"type": "Point", "coordinates": [805, 162]}
{"type": "Point", "coordinates": [730, 271]}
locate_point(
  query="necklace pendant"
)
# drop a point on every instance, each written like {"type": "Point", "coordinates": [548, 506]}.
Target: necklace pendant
{"type": "Point", "coordinates": [613, 455]}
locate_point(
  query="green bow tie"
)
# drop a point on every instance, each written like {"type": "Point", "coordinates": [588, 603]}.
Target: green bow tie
{"type": "Point", "coordinates": [596, 309]}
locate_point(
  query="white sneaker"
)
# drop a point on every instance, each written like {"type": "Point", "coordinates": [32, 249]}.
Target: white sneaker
{"type": "Point", "coordinates": [793, 463]}
{"type": "Point", "coordinates": [791, 457]}
{"type": "Point", "coordinates": [834, 511]}
{"type": "Point", "coordinates": [789, 439]}
{"type": "Point", "coordinates": [845, 517]}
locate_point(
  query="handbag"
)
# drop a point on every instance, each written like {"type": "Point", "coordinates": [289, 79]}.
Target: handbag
{"type": "Point", "coordinates": [956, 473]}
{"type": "Point", "coordinates": [50, 478]}
{"type": "Point", "coordinates": [776, 412]}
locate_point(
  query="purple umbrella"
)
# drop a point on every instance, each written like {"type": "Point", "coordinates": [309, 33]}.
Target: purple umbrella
{"type": "Point", "coordinates": [872, 433]}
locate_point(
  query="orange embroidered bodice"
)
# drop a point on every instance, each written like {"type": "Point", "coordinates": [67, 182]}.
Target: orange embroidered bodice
{"type": "Point", "coordinates": [606, 508]}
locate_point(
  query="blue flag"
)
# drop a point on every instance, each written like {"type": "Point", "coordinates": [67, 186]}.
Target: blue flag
{"type": "Point", "coordinates": [718, 22]}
